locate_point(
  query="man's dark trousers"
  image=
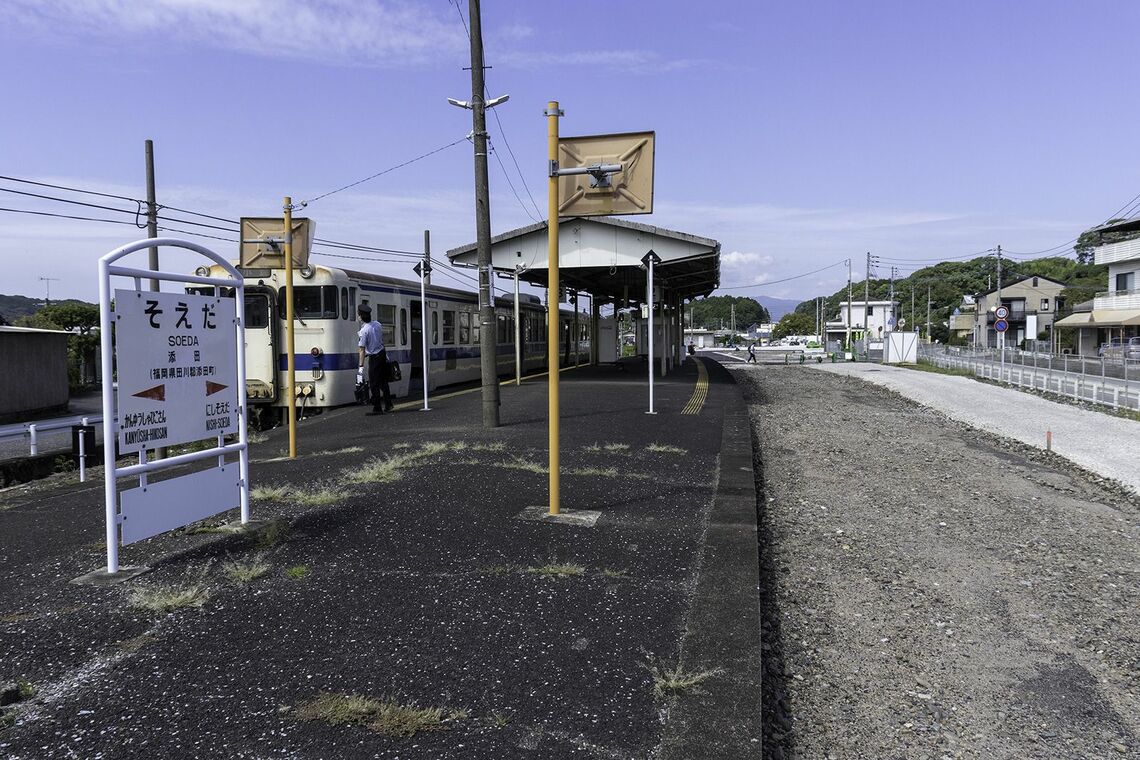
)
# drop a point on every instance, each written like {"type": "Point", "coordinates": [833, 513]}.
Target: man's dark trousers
{"type": "Point", "coordinates": [378, 381]}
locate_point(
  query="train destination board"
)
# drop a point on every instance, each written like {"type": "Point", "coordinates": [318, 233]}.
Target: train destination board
{"type": "Point", "coordinates": [176, 368]}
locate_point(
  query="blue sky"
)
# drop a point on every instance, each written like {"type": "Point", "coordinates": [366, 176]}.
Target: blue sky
{"type": "Point", "coordinates": [796, 134]}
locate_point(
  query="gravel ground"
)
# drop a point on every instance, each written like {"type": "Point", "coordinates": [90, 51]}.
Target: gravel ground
{"type": "Point", "coordinates": [930, 590]}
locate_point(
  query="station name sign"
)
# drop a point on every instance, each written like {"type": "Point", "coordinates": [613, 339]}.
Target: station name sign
{"type": "Point", "coordinates": [176, 368]}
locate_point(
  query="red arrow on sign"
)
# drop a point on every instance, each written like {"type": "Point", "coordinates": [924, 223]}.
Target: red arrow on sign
{"type": "Point", "coordinates": [158, 393]}
{"type": "Point", "coordinates": [212, 388]}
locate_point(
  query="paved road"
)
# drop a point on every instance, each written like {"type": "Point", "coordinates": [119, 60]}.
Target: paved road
{"type": "Point", "coordinates": [1099, 442]}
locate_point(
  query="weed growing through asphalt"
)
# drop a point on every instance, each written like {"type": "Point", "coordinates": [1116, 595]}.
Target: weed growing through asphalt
{"type": "Point", "coordinates": [605, 472]}
{"type": "Point", "coordinates": [616, 448]}
{"type": "Point", "coordinates": [243, 572]}
{"type": "Point", "coordinates": [346, 450]}
{"type": "Point", "coordinates": [256, 438]}
{"type": "Point", "coordinates": [499, 720]}
{"type": "Point", "coordinates": [297, 572]}
{"type": "Point", "coordinates": [269, 493]}
{"type": "Point", "coordinates": [497, 569]}
{"type": "Point", "coordinates": [322, 497]}
{"type": "Point", "coordinates": [662, 448]}
{"type": "Point", "coordinates": [494, 447]}
{"type": "Point", "coordinates": [384, 716]}
{"type": "Point", "coordinates": [136, 643]}
{"type": "Point", "coordinates": [518, 463]}
{"type": "Point", "coordinates": [608, 573]}
{"type": "Point", "coordinates": [402, 445]}
{"type": "Point", "coordinates": [168, 598]}
{"type": "Point", "coordinates": [272, 533]}
{"type": "Point", "coordinates": [594, 447]}
{"type": "Point", "coordinates": [553, 570]}
{"type": "Point", "coordinates": [671, 682]}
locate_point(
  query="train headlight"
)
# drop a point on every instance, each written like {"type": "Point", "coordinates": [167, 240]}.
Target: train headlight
{"type": "Point", "coordinates": [315, 352]}
{"type": "Point", "coordinates": [202, 271]}
{"type": "Point", "coordinates": [307, 271]}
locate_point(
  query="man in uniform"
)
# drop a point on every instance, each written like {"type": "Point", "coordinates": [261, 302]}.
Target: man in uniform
{"type": "Point", "coordinates": [374, 360]}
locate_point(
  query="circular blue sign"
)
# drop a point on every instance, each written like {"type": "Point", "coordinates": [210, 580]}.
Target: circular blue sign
{"type": "Point", "coordinates": [1001, 325]}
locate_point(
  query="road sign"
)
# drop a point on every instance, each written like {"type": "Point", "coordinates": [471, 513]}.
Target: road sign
{"type": "Point", "coordinates": [1001, 325]}
{"type": "Point", "coordinates": [1002, 312]}
{"type": "Point", "coordinates": [177, 370]}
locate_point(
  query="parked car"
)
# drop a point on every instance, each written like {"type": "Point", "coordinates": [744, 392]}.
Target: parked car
{"type": "Point", "coordinates": [1128, 349]}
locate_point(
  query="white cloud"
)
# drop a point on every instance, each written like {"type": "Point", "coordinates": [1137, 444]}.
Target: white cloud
{"type": "Point", "coordinates": [337, 31]}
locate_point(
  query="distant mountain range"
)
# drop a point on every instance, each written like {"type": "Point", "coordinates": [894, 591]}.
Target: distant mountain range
{"type": "Point", "coordinates": [777, 307]}
{"type": "Point", "coordinates": [13, 307]}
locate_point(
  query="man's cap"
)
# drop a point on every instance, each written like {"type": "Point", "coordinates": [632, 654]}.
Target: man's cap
{"type": "Point", "coordinates": [364, 309]}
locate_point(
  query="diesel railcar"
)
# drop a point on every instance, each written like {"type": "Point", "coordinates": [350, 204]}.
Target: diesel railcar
{"type": "Point", "coordinates": [325, 300]}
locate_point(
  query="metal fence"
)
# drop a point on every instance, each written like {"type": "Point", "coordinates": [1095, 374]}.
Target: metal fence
{"type": "Point", "coordinates": [1111, 382]}
{"type": "Point", "coordinates": [35, 433]}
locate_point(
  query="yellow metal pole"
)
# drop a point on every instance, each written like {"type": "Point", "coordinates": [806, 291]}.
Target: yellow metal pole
{"type": "Point", "coordinates": [552, 334]}
{"type": "Point", "coordinates": [288, 247]}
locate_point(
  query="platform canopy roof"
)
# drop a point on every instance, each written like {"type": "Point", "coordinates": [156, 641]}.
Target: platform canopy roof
{"type": "Point", "coordinates": [602, 256]}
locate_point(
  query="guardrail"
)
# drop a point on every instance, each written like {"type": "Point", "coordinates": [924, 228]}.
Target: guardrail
{"type": "Point", "coordinates": [1113, 383]}
{"type": "Point", "coordinates": [33, 430]}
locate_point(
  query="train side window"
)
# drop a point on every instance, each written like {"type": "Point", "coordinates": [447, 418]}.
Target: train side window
{"type": "Point", "coordinates": [311, 302]}
{"type": "Point", "coordinates": [403, 327]}
{"type": "Point", "coordinates": [352, 303]}
{"type": "Point", "coordinates": [200, 290]}
{"type": "Point", "coordinates": [385, 314]}
{"type": "Point", "coordinates": [344, 314]}
{"type": "Point", "coordinates": [449, 328]}
{"type": "Point", "coordinates": [435, 328]}
{"type": "Point", "coordinates": [464, 328]}
{"type": "Point", "coordinates": [475, 329]}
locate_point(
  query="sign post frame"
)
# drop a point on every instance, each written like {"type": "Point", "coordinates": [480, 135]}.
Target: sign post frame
{"type": "Point", "coordinates": [107, 270]}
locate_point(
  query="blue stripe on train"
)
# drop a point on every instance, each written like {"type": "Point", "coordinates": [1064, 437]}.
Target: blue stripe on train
{"type": "Point", "coordinates": [334, 362]}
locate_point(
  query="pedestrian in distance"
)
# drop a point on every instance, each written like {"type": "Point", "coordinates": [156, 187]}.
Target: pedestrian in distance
{"type": "Point", "coordinates": [752, 352]}
{"type": "Point", "coordinates": [374, 360]}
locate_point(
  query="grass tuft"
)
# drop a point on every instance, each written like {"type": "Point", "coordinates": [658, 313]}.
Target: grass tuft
{"type": "Point", "coordinates": [673, 682]}
{"type": "Point", "coordinates": [614, 448]}
{"type": "Point", "coordinates": [270, 493]}
{"type": "Point", "coordinates": [518, 463]}
{"type": "Point", "coordinates": [168, 598]}
{"type": "Point", "coordinates": [245, 572]}
{"type": "Point", "coordinates": [378, 470]}
{"type": "Point", "coordinates": [297, 572]}
{"type": "Point", "coordinates": [661, 448]}
{"type": "Point", "coordinates": [499, 720]}
{"type": "Point", "coordinates": [497, 446]}
{"type": "Point", "coordinates": [609, 573]}
{"type": "Point", "coordinates": [272, 533]}
{"type": "Point", "coordinates": [319, 498]}
{"type": "Point", "coordinates": [384, 716]}
{"type": "Point", "coordinates": [553, 570]}
{"type": "Point", "coordinates": [497, 569]}
{"type": "Point", "coordinates": [605, 472]}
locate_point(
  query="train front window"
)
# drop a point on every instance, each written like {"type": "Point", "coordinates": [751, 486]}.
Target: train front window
{"type": "Point", "coordinates": [256, 312]}
{"type": "Point", "coordinates": [311, 302]}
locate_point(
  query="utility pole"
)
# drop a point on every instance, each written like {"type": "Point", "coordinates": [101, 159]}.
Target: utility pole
{"type": "Point", "coordinates": [1001, 335]}
{"type": "Point", "coordinates": [912, 305]}
{"type": "Point", "coordinates": [892, 299]}
{"type": "Point", "coordinates": [867, 308]}
{"type": "Point", "coordinates": [151, 210]}
{"type": "Point", "coordinates": [847, 346]}
{"type": "Point", "coordinates": [47, 283]}
{"type": "Point", "coordinates": [487, 331]}
{"type": "Point", "coordinates": [928, 340]}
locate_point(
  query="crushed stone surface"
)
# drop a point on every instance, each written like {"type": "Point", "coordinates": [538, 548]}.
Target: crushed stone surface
{"type": "Point", "coordinates": [930, 590]}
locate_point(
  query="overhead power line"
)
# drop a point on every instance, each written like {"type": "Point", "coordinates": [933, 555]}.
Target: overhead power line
{"type": "Point", "coordinates": [786, 279]}
{"type": "Point", "coordinates": [386, 171]}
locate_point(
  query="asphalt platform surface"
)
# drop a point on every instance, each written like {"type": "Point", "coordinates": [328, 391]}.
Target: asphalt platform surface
{"type": "Point", "coordinates": [424, 586]}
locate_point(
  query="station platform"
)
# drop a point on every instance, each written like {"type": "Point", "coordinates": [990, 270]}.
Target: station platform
{"type": "Point", "coordinates": [407, 559]}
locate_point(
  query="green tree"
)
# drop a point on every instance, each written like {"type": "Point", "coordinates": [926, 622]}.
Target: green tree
{"type": "Point", "coordinates": [72, 316]}
{"type": "Point", "coordinates": [794, 323]}
{"type": "Point", "coordinates": [716, 311]}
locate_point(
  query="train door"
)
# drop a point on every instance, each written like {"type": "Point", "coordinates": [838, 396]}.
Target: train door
{"type": "Point", "coordinates": [416, 347]}
{"type": "Point", "coordinates": [260, 345]}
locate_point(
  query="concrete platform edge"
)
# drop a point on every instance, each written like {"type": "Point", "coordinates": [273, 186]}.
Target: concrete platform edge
{"type": "Point", "coordinates": [725, 720]}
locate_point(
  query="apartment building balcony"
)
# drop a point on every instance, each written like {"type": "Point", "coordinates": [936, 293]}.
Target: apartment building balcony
{"type": "Point", "coordinates": [1117, 299]}
{"type": "Point", "coordinates": [1114, 253]}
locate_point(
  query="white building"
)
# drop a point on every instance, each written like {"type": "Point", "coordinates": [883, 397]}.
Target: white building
{"type": "Point", "coordinates": [869, 319]}
{"type": "Point", "coordinates": [1115, 313]}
